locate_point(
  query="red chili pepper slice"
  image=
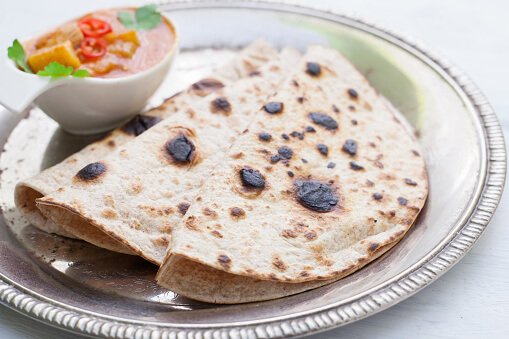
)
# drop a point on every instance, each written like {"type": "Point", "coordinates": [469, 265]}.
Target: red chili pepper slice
{"type": "Point", "coordinates": [93, 48]}
{"type": "Point", "coordinates": [94, 27]}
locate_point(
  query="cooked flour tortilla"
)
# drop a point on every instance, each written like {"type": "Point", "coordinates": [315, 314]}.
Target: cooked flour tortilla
{"type": "Point", "coordinates": [140, 191]}
{"type": "Point", "coordinates": [344, 187]}
{"type": "Point", "coordinates": [204, 283]}
{"type": "Point", "coordinates": [244, 64]}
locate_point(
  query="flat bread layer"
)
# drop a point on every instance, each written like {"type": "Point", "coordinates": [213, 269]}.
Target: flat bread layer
{"type": "Point", "coordinates": [207, 284]}
{"type": "Point", "coordinates": [338, 182]}
{"type": "Point", "coordinates": [141, 190]}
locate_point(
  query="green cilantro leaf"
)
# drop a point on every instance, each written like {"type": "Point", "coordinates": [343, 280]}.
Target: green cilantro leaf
{"type": "Point", "coordinates": [16, 53]}
{"type": "Point", "coordinates": [55, 70]}
{"type": "Point", "coordinates": [148, 17]}
{"type": "Point", "coordinates": [127, 19]}
{"type": "Point", "coordinates": [145, 18]}
{"type": "Point", "coordinates": [81, 73]}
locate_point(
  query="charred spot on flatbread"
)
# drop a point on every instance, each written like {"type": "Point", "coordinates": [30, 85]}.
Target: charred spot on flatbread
{"type": "Point", "coordinates": [323, 120]}
{"type": "Point", "coordinates": [279, 264]}
{"type": "Point", "coordinates": [402, 201]}
{"type": "Point", "coordinates": [237, 212]}
{"type": "Point", "coordinates": [285, 136]}
{"type": "Point", "coordinates": [209, 212]}
{"type": "Point", "coordinates": [252, 178]}
{"type": "Point", "coordinates": [331, 165]}
{"type": "Point", "coordinates": [410, 182]}
{"type": "Point", "coordinates": [373, 246]}
{"type": "Point", "coordinates": [224, 261]}
{"type": "Point", "coordinates": [355, 166]}
{"type": "Point", "coordinates": [352, 93]}
{"type": "Point", "coordinates": [275, 158]}
{"type": "Point", "coordinates": [377, 196]}
{"type": "Point", "coordinates": [139, 124]}
{"type": "Point", "coordinates": [181, 149]}
{"type": "Point", "coordinates": [273, 107]}
{"type": "Point", "coordinates": [91, 171]}
{"type": "Point", "coordinates": [350, 147]}
{"type": "Point", "coordinates": [221, 105]}
{"type": "Point", "coordinates": [315, 195]}
{"type": "Point", "coordinates": [297, 135]}
{"type": "Point", "coordinates": [314, 69]}
{"type": "Point", "coordinates": [206, 86]}
{"type": "Point", "coordinates": [285, 152]}
{"type": "Point", "coordinates": [263, 136]}
{"type": "Point", "coordinates": [323, 149]}
{"type": "Point", "coordinates": [183, 207]}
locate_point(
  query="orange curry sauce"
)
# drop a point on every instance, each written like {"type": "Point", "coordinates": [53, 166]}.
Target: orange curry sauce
{"type": "Point", "coordinates": [127, 51]}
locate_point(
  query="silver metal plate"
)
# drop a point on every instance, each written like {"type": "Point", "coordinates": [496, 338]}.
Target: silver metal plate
{"type": "Point", "coordinates": [79, 287]}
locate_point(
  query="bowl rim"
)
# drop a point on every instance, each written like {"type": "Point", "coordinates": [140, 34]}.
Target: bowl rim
{"type": "Point", "coordinates": [448, 253]}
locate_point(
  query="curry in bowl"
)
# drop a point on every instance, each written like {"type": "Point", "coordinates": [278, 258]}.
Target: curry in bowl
{"type": "Point", "coordinates": [105, 44]}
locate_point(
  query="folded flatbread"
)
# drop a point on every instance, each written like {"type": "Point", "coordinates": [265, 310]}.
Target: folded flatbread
{"type": "Point", "coordinates": [141, 190]}
{"type": "Point", "coordinates": [244, 64]}
{"type": "Point", "coordinates": [325, 181]}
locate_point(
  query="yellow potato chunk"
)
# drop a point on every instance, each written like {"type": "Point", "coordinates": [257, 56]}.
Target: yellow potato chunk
{"type": "Point", "coordinates": [128, 36]}
{"type": "Point", "coordinates": [122, 48]}
{"type": "Point", "coordinates": [103, 66]}
{"type": "Point", "coordinates": [123, 44]}
{"type": "Point", "coordinates": [62, 53]}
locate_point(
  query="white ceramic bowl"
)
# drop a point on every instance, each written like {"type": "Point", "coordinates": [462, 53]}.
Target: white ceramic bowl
{"type": "Point", "coordinates": [92, 105]}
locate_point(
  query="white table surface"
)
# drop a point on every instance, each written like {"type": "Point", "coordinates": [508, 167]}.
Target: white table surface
{"type": "Point", "coordinates": [472, 299]}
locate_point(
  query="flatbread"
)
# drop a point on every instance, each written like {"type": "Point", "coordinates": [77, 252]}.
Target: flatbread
{"type": "Point", "coordinates": [140, 191]}
{"type": "Point", "coordinates": [27, 191]}
{"type": "Point", "coordinates": [338, 184]}
{"type": "Point", "coordinates": [207, 284]}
